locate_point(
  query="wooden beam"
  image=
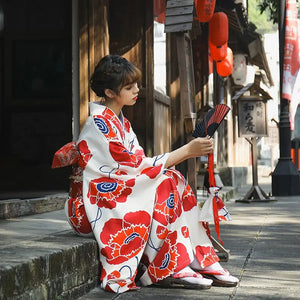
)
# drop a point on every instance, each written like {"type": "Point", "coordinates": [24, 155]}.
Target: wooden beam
{"type": "Point", "coordinates": [187, 97]}
{"type": "Point", "coordinates": [93, 45]}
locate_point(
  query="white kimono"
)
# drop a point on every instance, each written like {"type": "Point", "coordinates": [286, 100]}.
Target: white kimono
{"type": "Point", "coordinates": [139, 211]}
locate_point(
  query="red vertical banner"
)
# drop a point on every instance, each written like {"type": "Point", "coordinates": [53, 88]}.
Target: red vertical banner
{"type": "Point", "coordinates": [291, 61]}
{"type": "Point", "coordinates": [291, 50]}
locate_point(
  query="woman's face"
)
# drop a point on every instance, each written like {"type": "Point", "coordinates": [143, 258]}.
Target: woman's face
{"type": "Point", "coordinates": [128, 94]}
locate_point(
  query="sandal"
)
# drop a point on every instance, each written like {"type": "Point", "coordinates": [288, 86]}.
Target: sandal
{"type": "Point", "coordinates": [177, 280]}
{"type": "Point", "coordinates": [231, 281]}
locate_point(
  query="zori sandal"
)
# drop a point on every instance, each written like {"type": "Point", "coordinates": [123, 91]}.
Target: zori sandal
{"type": "Point", "coordinates": [220, 277]}
{"type": "Point", "coordinates": [188, 280]}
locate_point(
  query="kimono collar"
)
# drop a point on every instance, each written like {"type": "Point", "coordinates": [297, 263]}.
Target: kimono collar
{"type": "Point", "coordinates": [97, 108]}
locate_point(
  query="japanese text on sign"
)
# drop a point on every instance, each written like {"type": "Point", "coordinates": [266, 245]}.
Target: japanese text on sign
{"type": "Point", "coordinates": [252, 118]}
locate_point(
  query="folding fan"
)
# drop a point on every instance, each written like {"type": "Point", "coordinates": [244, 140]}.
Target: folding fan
{"type": "Point", "coordinates": [211, 121]}
{"type": "Point", "coordinates": [207, 127]}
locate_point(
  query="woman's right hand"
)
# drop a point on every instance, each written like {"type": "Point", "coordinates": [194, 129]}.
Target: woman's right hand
{"type": "Point", "coordinates": [195, 148]}
{"type": "Point", "coordinates": [200, 146]}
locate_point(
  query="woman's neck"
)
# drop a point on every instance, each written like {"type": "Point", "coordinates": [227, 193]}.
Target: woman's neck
{"type": "Point", "coordinates": [113, 106]}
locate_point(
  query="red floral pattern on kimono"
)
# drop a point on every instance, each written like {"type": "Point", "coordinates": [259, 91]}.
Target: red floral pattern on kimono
{"type": "Point", "coordinates": [138, 210]}
{"type": "Point", "coordinates": [85, 154]}
{"type": "Point", "coordinates": [126, 237]}
{"type": "Point", "coordinates": [107, 192]}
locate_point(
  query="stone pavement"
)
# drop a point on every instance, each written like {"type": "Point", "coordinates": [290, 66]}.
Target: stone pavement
{"type": "Point", "coordinates": [40, 258]}
{"type": "Point", "coordinates": [264, 242]}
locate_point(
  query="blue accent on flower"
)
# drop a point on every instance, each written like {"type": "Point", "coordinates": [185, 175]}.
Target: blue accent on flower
{"type": "Point", "coordinates": [170, 201]}
{"type": "Point", "coordinates": [131, 237]}
{"type": "Point", "coordinates": [106, 187]}
{"type": "Point", "coordinates": [101, 125]}
{"type": "Point", "coordinates": [165, 262]}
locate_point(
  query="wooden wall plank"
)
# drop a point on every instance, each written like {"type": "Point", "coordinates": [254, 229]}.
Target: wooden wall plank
{"type": "Point", "coordinates": [178, 3]}
{"type": "Point", "coordinates": [93, 45]}
{"type": "Point", "coordinates": [178, 27]}
{"type": "Point", "coordinates": [179, 11]}
{"type": "Point", "coordinates": [149, 71]}
{"type": "Point", "coordinates": [83, 61]}
{"type": "Point", "coordinates": [179, 19]}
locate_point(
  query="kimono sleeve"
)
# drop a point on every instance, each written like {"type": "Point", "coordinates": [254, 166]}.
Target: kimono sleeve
{"type": "Point", "coordinates": [115, 150]}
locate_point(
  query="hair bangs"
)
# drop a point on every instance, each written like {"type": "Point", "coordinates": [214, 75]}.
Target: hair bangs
{"type": "Point", "coordinates": [131, 75]}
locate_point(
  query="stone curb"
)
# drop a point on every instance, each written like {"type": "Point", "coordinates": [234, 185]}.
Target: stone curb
{"type": "Point", "coordinates": [61, 266]}
{"type": "Point", "coordinates": [23, 207]}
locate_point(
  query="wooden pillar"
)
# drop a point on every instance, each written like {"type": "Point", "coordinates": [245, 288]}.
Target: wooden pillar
{"type": "Point", "coordinates": [93, 45]}
{"type": "Point", "coordinates": [187, 97]}
{"type": "Point", "coordinates": [149, 80]}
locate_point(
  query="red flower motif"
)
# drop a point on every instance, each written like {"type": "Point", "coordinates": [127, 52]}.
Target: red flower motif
{"type": "Point", "coordinates": [152, 172]}
{"type": "Point", "coordinates": [114, 275]}
{"type": "Point", "coordinates": [185, 231]}
{"type": "Point", "coordinates": [188, 199]}
{"type": "Point", "coordinates": [103, 272]}
{"type": "Point", "coordinates": [175, 175]}
{"type": "Point", "coordinates": [123, 156]}
{"type": "Point", "coordinates": [105, 127]}
{"type": "Point", "coordinates": [121, 172]}
{"type": "Point", "coordinates": [125, 238]}
{"type": "Point", "coordinates": [183, 259]}
{"type": "Point", "coordinates": [127, 125]}
{"type": "Point", "coordinates": [85, 154]}
{"type": "Point", "coordinates": [107, 192]}
{"type": "Point", "coordinates": [165, 262]}
{"type": "Point", "coordinates": [161, 232]}
{"type": "Point", "coordinates": [110, 115]}
{"type": "Point", "coordinates": [206, 256]}
{"type": "Point", "coordinates": [139, 152]}
{"type": "Point", "coordinates": [167, 203]}
{"type": "Point", "coordinates": [77, 215]}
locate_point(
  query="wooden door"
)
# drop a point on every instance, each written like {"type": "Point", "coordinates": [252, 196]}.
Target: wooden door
{"type": "Point", "coordinates": [36, 98]}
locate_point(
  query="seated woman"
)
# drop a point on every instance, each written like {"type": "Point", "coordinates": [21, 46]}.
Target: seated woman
{"type": "Point", "coordinates": [142, 211]}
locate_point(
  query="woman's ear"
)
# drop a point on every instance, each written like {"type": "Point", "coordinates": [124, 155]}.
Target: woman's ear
{"type": "Point", "coordinates": [109, 93]}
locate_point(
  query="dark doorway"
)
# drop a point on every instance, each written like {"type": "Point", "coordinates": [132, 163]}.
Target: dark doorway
{"type": "Point", "coordinates": [36, 95]}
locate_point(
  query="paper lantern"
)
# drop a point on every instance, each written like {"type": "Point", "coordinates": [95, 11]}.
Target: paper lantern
{"type": "Point", "coordinates": [217, 53]}
{"type": "Point", "coordinates": [239, 71]}
{"type": "Point", "coordinates": [218, 29]}
{"type": "Point", "coordinates": [224, 67]}
{"type": "Point", "coordinates": [205, 9]}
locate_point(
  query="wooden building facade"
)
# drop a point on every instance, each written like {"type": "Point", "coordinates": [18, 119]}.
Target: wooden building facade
{"type": "Point", "coordinates": [48, 51]}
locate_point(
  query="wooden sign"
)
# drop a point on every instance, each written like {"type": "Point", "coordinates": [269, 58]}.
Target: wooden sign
{"type": "Point", "coordinates": [252, 117]}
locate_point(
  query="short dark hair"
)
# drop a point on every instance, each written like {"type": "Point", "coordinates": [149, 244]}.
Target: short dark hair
{"type": "Point", "coordinates": [113, 72]}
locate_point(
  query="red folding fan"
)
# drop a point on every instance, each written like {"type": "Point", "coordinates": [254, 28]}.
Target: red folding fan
{"type": "Point", "coordinates": [207, 127]}
{"type": "Point", "coordinates": [211, 121]}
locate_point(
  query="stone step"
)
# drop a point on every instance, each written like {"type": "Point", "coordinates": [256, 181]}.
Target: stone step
{"type": "Point", "coordinates": [42, 258]}
{"type": "Point", "coordinates": [18, 207]}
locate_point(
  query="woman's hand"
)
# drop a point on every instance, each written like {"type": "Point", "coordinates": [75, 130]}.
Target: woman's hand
{"type": "Point", "coordinates": [195, 148]}
{"type": "Point", "coordinates": [201, 146]}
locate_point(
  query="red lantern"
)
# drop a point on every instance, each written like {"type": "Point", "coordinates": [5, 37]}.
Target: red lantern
{"type": "Point", "coordinates": [159, 6]}
{"type": "Point", "coordinates": [218, 29]}
{"type": "Point", "coordinates": [205, 9]}
{"type": "Point", "coordinates": [224, 67]}
{"type": "Point", "coordinates": [217, 53]}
